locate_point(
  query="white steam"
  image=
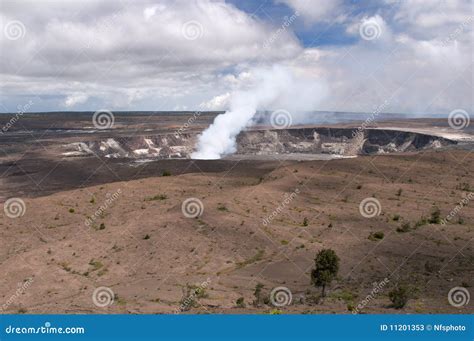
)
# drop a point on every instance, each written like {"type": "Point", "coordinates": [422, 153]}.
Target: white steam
{"type": "Point", "coordinates": [276, 87]}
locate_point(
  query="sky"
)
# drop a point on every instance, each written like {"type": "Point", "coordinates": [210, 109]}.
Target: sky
{"type": "Point", "coordinates": [399, 56]}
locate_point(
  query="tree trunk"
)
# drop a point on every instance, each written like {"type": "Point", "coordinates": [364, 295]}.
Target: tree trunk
{"type": "Point", "coordinates": [323, 294]}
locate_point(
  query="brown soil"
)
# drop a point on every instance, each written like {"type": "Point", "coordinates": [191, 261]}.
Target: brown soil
{"type": "Point", "coordinates": [147, 251]}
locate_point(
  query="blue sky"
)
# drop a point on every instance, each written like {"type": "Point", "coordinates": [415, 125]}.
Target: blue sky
{"type": "Point", "coordinates": [411, 56]}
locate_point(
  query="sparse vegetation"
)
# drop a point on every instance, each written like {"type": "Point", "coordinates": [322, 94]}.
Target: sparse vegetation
{"type": "Point", "coordinates": [326, 269]}
{"type": "Point", "coordinates": [399, 296]}
{"type": "Point", "coordinates": [240, 303]}
{"type": "Point", "coordinates": [376, 236]}
{"type": "Point", "coordinates": [421, 222]}
{"type": "Point", "coordinates": [222, 207]}
{"type": "Point", "coordinates": [305, 221]}
{"type": "Point", "coordinates": [71, 210]}
{"type": "Point", "coordinates": [404, 228]}
{"type": "Point", "coordinates": [258, 295]}
{"type": "Point", "coordinates": [156, 197]}
{"type": "Point", "coordinates": [147, 236]}
{"type": "Point", "coordinates": [258, 256]}
{"type": "Point", "coordinates": [399, 192]}
{"type": "Point", "coordinates": [435, 216]}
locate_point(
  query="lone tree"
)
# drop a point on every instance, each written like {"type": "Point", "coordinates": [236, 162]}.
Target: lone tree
{"type": "Point", "coordinates": [327, 266]}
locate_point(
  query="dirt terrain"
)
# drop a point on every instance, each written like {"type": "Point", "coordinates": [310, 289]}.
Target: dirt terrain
{"type": "Point", "coordinates": [92, 224]}
{"type": "Point", "coordinates": [146, 251]}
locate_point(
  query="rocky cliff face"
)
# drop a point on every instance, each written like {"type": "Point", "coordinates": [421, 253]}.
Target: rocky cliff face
{"type": "Point", "coordinates": [335, 141]}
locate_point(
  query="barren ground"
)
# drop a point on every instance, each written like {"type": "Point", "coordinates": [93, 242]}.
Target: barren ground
{"type": "Point", "coordinates": [147, 251]}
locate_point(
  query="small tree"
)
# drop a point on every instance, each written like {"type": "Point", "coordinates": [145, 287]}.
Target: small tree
{"type": "Point", "coordinates": [327, 266]}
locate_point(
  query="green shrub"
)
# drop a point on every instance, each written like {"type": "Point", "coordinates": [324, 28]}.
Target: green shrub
{"type": "Point", "coordinates": [375, 236]}
{"type": "Point", "coordinates": [399, 296]}
{"type": "Point", "coordinates": [240, 302]}
{"type": "Point", "coordinates": [404, 228]}
{"type": "Point", "coordinates": [435, 216]}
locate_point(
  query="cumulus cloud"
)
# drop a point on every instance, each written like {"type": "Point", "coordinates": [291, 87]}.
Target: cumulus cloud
{"type": "Point", "coordinates": [73, 99]}
{"type": "Point", "coordinates": [220, 102]}
{"type": "Point", "coordinates": [107, 48]}
{"type": "Point", "coordinates": [160, 55]}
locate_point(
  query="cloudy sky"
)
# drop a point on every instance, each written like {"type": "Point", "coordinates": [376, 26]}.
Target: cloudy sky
{"type": "Point", "coordinates": [406, 56]}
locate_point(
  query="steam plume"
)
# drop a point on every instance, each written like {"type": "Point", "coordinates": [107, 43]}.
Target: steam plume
{"type": "Point", "coordinates": [274, 87]}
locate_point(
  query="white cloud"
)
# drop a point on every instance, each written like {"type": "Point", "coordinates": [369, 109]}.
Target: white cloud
{"type": "Point", "coordinates": [74, 99]}
{"type": "Point", "coordinates": [134, 56]}
{"type": "Point", "coordinates": [220, 102]}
